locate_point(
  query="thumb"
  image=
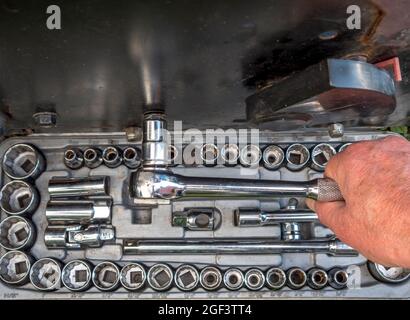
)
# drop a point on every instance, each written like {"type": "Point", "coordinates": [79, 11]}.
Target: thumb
{"type": "Point", "coordinates": [329, 213]}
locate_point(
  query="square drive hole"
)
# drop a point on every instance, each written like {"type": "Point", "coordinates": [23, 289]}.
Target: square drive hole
{"type": "Point", "coordinates": [21, 267]}
{"type": "Point", "coordinates": [27, 165]}
{"type": "Point", "coordinates": [136, 276]}
{"type": "Point", "coordinates": [162, 278]}
{"type": "Point", "coordinates": [80, 275]}
{"type": "Point", "coordinates": [21, 234]}
{"type": "Point", "coordinates": [187, 278]}
{"type": "Point", "coordinates": [110, 276]}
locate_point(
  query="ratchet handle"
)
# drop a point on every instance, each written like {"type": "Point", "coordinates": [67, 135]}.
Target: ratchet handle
{"type": "Point", "coordinates": [328, 190]}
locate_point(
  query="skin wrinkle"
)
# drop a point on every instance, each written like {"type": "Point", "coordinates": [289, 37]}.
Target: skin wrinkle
{"type": "Point", "coordinates": [374, 178]}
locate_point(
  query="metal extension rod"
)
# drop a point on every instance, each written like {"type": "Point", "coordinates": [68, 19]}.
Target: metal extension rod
{"type": "Point", "coordinates": [332, 247]}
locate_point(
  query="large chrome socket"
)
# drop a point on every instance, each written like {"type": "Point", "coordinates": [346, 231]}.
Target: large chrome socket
{"type": "Point", "coordinates": [210, 278]}
{"type": "Point", "coordinates": [106, 276]}
{"type": "Point", "coordinates": [15, 268]}
{"type": "Point", "coordinates": [17, 233]}
{"type": "Point", "coordinates": [233, 279]}
{"type": "Point", "coordinates": [160, 277]}
{"type": "Point", "coordinates": [76, 275]}
{"type": "Point", "coordinates": [133, 276]}
{"type": "Point", "coordinates": [321, 154]}
{"type": "Point", "coordinates": [19, 198]}
{"type": "Point", "coordinates": [297, 157]}
{"type": "Point", "coordinates": [23, 161]}
{"type": "Point", "coordinates": [45, 274]}
{"type": "Point", "coordinates": [393, 275]}
{"type": "Point", "coordinates": [73, 158]}
{"type": "Point", "coordinates": [186, 278]}
{"type": "Point", "coordinates": [59, 187]}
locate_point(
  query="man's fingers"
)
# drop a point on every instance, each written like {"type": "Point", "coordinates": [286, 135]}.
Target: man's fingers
{"type": "Point", "coordinates": [330, 213]}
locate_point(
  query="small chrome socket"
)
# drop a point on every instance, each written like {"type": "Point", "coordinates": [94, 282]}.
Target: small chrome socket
{"type": "Point", "coordinates": [160, 277]}
{"type": "Point", "coordinates": [133, 276]}
{"type": "Point", "coordinates": [73, 158]}
{"type": "Point", "coordinates": [106, 276]}
{"type": "Point", "coordinates": [250, 155]}
{"type": "Point", "coordinates": [17, 233]}
{"type": "Point", "coordinates": [209, 154]}
{"type": "Point", "coordinates": [186, 278]}
{"type": "Point", "coordinates": [19, 198]}
{"type": "Point", "coordinates": [23, 161]}
{"type": "Point", "coordinates": [92, 158]}
{"type": "Point", "coordinates": [296, 278]}
{"type": "Point", "coordinates": [174, 157]}
{"type": "Point", "coordinates": [275, 278]}
{"type": "Point", "coordinates": [132, 157]}
{"type": "Point", "coordinates": [230, 155]}
{"type": "Point", "coordinates": [344, 146]}
{"type": "Point", "coordinates": [273, 157]}
{"type": "Point", "coordinates": [297, 157]}
{"type": "Point", "coordinates": [112, 157]}
{"type": "Point", "coordinates": [15, 268]}
{"type": "Point", "coordinates": [254, 279]}
{"type": "Point", "coordinates": [321, 154]}
{"type": "Point", "coordinates": [233, 279]}
{"type": "Point", "coordinates": [317, 278]}
{"type": "Point", "coordinates": [76, 275]}
{"type": "Point", "coordinates": [210, 278]}
{"type": "Point", "coordinates": [338, 278]}
{"type": "Point", "coordinates": [45, 274]}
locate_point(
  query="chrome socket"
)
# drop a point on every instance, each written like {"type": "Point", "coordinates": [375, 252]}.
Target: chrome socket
{"type": "Point", "coordinates": [321, 154]}
{"type": "Point", "coordinates": [19, 198]}
{"type": "Point", "coordinates": [17, 233]}
{"type": "Point", "coordinates": [22, 162]}
{"type": "Point", "coordinates": [273, 157]}
{"type": "Point", "coordinates": [210, 278]}
{"type": "Point", "coordinates": [112, 157]}
{"type": "Point", "coordinates": [317, 278]}
{"type": "Point", "coordinates": [230, 154]}
{"type": "Point", "coordinates": [209, 154]}
{"type": "Point", "coordinates": [275, 278]}
{"type": "Point", "coordinates": [76, 275]}
{"type": "Point", "coordinates": [45, 274]}
{"type": "Point", "coordinates": [133, 276]}
{"type": "Point", "coordinates": [297, 157]}
{"type": "Point", "coordinates": [160, 277]}
{"type": "Point", "coordinates": [296, 278]}
{"type": "Point", "coordinates": [132, 157]}
{"type": "Point", "coordinates": [77, 236]}
{"type": "Point", "coordinates": [15, 268]}
{"type": "Point", "coordinates": [79, 211]}
{"type": "Point", "coordinates": [73, 158]}
{"type": "Point", "coordinates": [192, 155]}
{"type": "Point", "coordinates": [338, 278]}
{"type": "Point", "coordinates": [106, 276]}
{"type": "Point", "coordinates": [250, 155]}
{"type": "Point", "coordinates": [254, 279]}
{"type": "Point", "coordinates": [393, 275]}
{"type": "Point", "coordinates": [291, 231]}
{"type": "Point", "coordinates": [233, 279]}
{"type": "Point", "coordinates": [344, 146]}
{"type": "Point", "coordinates": [186, 278]}
{"type": "Point", "coordinates": [92, 158]}
{"type": "Point", "coordinates": [78, 187]}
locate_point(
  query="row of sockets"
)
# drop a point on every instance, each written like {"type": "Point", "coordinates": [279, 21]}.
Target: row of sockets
{"type": "Point", "coordinates": [47, 274]}
{"type": "Point", "coordinates": [296, 156]}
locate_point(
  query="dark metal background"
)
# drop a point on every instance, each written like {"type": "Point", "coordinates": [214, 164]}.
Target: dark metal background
{"type": "Point", "coordinates": [198, 59]}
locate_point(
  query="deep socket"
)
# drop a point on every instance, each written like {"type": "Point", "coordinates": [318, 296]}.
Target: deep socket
{"type": "Point", "coordinates": [59, 187]}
